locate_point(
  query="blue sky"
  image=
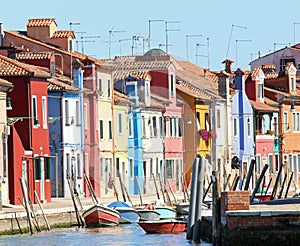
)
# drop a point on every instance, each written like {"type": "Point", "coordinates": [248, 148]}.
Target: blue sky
{"type": "Point", "coordinates": [254, 25]}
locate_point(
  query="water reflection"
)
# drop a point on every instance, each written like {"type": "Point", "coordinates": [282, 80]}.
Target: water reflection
{"type": "Point", "coordinates": [130, 234]}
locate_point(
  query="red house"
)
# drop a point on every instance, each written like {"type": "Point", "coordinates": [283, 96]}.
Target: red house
{"type": "Point", "coordinates": [28, 140]}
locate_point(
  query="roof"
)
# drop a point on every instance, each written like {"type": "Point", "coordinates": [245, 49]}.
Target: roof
{"type": "Point", "coordinates": [61, 83]}
{"type": "Point", "coordinates": [40, 22]}
{"type": "Point", "coordinates": [10, 67]}
{"type": "Point", "coordinates": [64, 34]}
{"type": "Point", "coordinates": [193, 80]}
{"type": "Point", "coordinates": [139, 75]}
{"type": "Point", "coordinates": [263, 107]}
{"type": "Point", "coordinates": [120, 98]}
{"type": "Point", "coordinates": [5, 83]}
{"type": "Point", "coordinates": [143, 65]}
{"type": "Point", "coordinates": [34, 55]}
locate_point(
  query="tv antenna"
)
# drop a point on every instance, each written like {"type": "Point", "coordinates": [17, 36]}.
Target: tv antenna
{"type": "Point", "coordinates": [169, 30]}
{"type": "Point", "coordinates": [110, 34]}
{"type": "Point", "coordinates": [232, 27]}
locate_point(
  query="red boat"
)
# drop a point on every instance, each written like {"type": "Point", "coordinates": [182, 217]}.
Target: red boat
{"type": "Point", "coordinates": [100, 215]}
{"type": "Point", "coordinates": [163, 226]}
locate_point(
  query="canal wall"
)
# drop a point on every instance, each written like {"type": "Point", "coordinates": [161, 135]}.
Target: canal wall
{"type": "Point", "coordinates": [245, 224]}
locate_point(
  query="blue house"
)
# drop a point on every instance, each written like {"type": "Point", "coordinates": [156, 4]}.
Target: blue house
{"type": "Point", "coordinates": [242, 120]}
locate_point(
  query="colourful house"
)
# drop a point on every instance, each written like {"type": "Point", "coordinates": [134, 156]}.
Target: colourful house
{"type": "Point", "coordinates": [28, 130]}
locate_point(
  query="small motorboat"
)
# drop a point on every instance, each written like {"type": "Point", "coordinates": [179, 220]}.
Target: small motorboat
{"type": "Point", "coordinates": [127, 213]}
{"type": "Point", "coordinates": [166, 212]}
{"type": "Point", "coordinates": [148, 213]}
{"type": "Point", "coordinates": [100, 215]}
{"type": "Point", "coordinates": [163, 226]}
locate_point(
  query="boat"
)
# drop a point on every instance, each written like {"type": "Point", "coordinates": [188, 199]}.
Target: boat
{"type": "Point", "coordinates": [100, 215]}
{"type": "Point", "coordinates": [127, 213]}
{"type": "Point", "coordinates": [166, 212]}
{"type": "Point", "coordinates": [163, 226]}
{"type": "Point", "coordinates": [148, 214]}
{"type": "Point", "coordinates": [182, 208]}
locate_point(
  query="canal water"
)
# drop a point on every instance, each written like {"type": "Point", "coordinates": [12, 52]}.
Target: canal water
{"type": "Point", "coordinates": [127, 234]}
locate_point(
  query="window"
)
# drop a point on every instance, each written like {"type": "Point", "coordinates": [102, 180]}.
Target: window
{"type": "Point", "coordinates": [77, 119]}
{"type": "Point", "coordinates": [47, 171]}
{"type": "Point", "coordinates": [120, 122]}
{"type": "Point", "coordinates": [79, 167]}
{"type": "Point", "coordinates": [130, 129]}
{"type": "Point", "coordinates": [284, 62]}
{"type": "Point", "coordinates": [218, 118]}
{"type": "Point", "coordinates": [37, 168]}
{"type": "Point", "coordinates": [172, 85]}
{"type": "Point", "coordinates": [257, 166]}
{"type": "Point", "coordinates": [68, 171]}
{"type": "Point", "coordinates": [86, 163]}
{"type": "Point", "coordinates": [151, 167]}
{"type": "Point", "coordinates": [150, 127]}
{"type": "Point", "coordinates": [235, 127]}
{"type": "Point", "coordinates": [270, 163]}
{"type": "Point", "coordinates": [293, 86]}
{"type": "Point", "coordinates": [44, 111]}
{"type": "Point", "coordinates": [34, 111]}
{"type": "Point", "coordinates": [143, 127]}
{"type": "Point", "coordinates": [161, 127]}
{"type": "Point", "coordinates": [101, 129]}
{"type": "Point", "coordinates": [108, 88]}
{"type": "Point", "coordinates": [85, 116]}
{"type": "Point", "coordinates": [260, 91]}
{"type": "Point", "coordinates": [175, 126]}
{"type": "Point", "coordinates": [109, 130]}
{"type": "Point", "coordinates": [131, 168]}
{"type": "Point", "coordinates": [154, 126]}
{"type": "Point", "coordinates": [180, 127]}
{"type": "Point", "coordinates": [291, 163]}
{"type": "Point", "coordinates": [100, 86]}
{"type": "Point", "coordinates": [207, 123]}
{"type": "Point", "coordinates": [118, 167]}
{"type": "Point", "coordinates": [169, 169]}
{"type": "Point", "coordinates": [285, 122]}
{"type": "Point", "coordinates": [67, 112]}
{"type": "Point", "coordinates": [248, 126]}
{"type": "Point", "coordinates": [171, 126]}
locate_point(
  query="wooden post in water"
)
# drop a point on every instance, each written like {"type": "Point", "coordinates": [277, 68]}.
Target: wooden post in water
{"type": "Point", "coordinates": [91, 189]}
{"type": "Point", "coordinates": [282, 186]}
{"type": "Point", "coordinates": [139, 189]}
{"type": "Point", "coordinates": [288, 187]}
{"type": "Point", "coordinates": [249, 174]}
{"type": "Point", "coordinates": [161, 187]}
{"type": "Point", "coordinates": [122, 188]}
{"type": "Point", "coordinates": [274, 191]}
{"type": "Point", "coordinates": [259, 181]}
{"type": "Point", "coordinates": [44, 216]}
{"type": "Point", "coordinates": [227, 182]}
{"type": "Point", "coordinates": [191, 215]}
{"type": "Point", "coordinates": [198, 204]}
{"type": "Point", "coordinates": [157, 193]}
{"type": "Point", "coordinates": [24, 191]}
{"type": "Point", "coordinates": [270, 181]}
{"type": "Point", "coordinates": [216, 212]}
{"type": "Point", "coordinates": [172, 192]}
{"type": "Point", "coordinates": [207, 190]}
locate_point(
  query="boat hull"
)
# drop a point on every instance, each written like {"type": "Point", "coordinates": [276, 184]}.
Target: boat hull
{"type": "Point", "coordinates": [147, 214]}
{"type": "Point", "coordinates": [163, 226]}
{"type": "Point", "coordinates": [128, 215]}
{"type": "Point", "coordinates": [99, 215]}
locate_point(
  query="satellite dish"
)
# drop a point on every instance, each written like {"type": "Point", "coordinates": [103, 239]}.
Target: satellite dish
{"type": "Point", "coordinates": [235, 162]}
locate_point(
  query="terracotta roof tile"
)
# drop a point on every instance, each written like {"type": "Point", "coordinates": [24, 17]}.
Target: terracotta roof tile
{"type": "Point", "coordinates": [33, 55]}
{"type": "Point", "coordinates": [10, 67]}
{"type": "Point", "coordinates": [38, 22]}
{"type": "Point", "coordinates": [57, 84]}
{"type": "Point", "coordinates": [64, 34]}
{"type": "Point", "coordinates": [139, 75]}
{"type": "Point", "coordinates": [263, 107]}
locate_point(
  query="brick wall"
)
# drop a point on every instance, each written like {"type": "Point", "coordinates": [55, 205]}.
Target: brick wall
{"type": "Point", "coordinates": [234, 200]}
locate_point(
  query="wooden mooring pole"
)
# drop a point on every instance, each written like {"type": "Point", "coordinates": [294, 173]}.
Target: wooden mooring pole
{"type": "Point", "coordinates": [259, 181]}
{"type": "Point", "coordinates": [216, 211]}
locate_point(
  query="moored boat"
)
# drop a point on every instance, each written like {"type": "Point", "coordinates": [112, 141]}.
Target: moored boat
{"type": "Point", "coordinates": [163, 226]}
{"type": "Point", "coordinates": [148, 214]}
{"type": "Point", "coordinates": [100, 215]}
{"type": "Point", "coordinates": [127, 213]}
{"type": "Point", "coordinates": [166, 212]}
{"type": "Point", "coordinates": [182, 208]}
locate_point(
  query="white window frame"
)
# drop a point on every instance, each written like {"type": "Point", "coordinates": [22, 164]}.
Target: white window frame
{"type": "Point", "coordinates": [44, 112]}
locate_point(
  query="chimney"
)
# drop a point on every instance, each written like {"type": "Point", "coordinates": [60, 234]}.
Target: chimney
{"type": "Point", "coordinates": [1, 35]}
{"type": "Point", "coordinates": [228, 63]}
